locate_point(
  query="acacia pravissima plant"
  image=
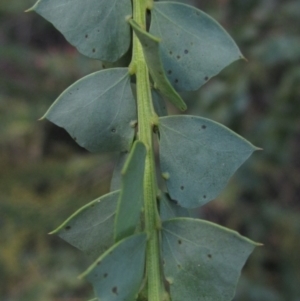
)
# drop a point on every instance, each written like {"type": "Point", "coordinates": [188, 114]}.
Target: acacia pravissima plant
{"type": "Point", "coordinates": [140, 237]}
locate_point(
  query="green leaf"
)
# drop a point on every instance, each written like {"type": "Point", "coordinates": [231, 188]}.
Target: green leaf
{"type": "Point", "coordinates": [97, 111]}
{"type": "Point", "coordinates": [169, 209]}
{"type": "Point", "coordinates": [117, 275]}
{"type": "Point", "coordinates": [91, 222]}
{"type": "Point", "coordinates": [97, 28]}
{"type": "Point", "coordinates": [194, 47]}
{"type": "Point", "coordinates": [202, 261]}
{"type": "Point", "coordinates": [130, 202]}
{"type": "Point", "coordinates": [151, 50]}
{"type": "Point", "coordinates": [198, 156]}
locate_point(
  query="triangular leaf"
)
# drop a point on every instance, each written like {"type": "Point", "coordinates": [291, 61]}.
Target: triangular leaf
{"type": "Point", "coordinates": [202, 261]}
{"type": "Point", "coordinates": [169, 209]}
{"type": "Point", "coordinates": [122, 62]}
{"type": "Point", "coordinates": [194, 47]}
{"type": "Point", "coordinates": [117, 275]}
{"type": "Point", "coordinates": [97, 111]}
{"type": "Point", "coordinates": [152, 55]}
{"type": "Point", "coordinates": [116, 179]}
{"type": "Point", "coordinates": [91, 228]}
{"type": "Point", "coordinates": [198, 156]}
{"type": "Point", "coordinates": [131, 196]}
{"type": "Point", "coordinates": [97, 28]}
{"type": "Point", "coordinates": [159, 104]}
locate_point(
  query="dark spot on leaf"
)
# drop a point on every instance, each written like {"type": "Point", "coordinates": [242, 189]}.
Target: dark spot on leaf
{"type": "Point", "coordinates": [204, 196]}
{"type": "Point", "coordinates": [68, 228]}
{"type": "Point", "coordinates": [179, 266]}
{"type": "Point", "coordinates": [182, 187]}
{"type": "Point", "coordinates": [186, 51]}
{"type": "Point", "coordinates": [86, 36]}
{"type": "Point", "coordinates": [176, 81]}
{"type": "Point", "coordinates": [93, 205]}
{"type": "Point", "coordinates": [146, 45]}
{"type": "Point", "coordinates": [209, 255]}
{"type": "Point", "coordinates": [178, 57]}
{"type": "Point", "coordinates": [94, 50]}
{"type": "Point", "coordinates": [113, 130]}
{"type": "Point", "coordinates": [98, 30]}
{"type": "Point", "coordinates": [206, 77]}
{"type": "Point", "coordinates": [159, 72]}
{"type": "Point", "coordinates": [103, 66]}
{"type": "Point", "coordinates": [163, 262]}
{"type": "Point", "coordinates": [115, 290]}
{"type": "Point", "coordinates": [99, 262]}
{"type": "Point", "coordinates": [179, 242]}
{"type": "Point", "coordinates": [169, 71]}
{"type": "Point", "coordinates": [192, 43]}
{"type": "Point", "coordinates": [171, 52]}
{"type": "Point", "coordinates": [105, 275]}
{"type": "Point", "coordinates": [203, 127]}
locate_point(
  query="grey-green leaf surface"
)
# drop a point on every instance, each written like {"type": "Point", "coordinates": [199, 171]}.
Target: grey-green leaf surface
{"type": "Point", "coordinates": [151, 51]}
{"type": "Point", "coordinates": [130, 202]}
{"type": "Point", "coordinates": [91, 228]}
{"type": "Point", "coordinates": [117, 275]}
{"type": "Point", "coordinates": [198, 156]}
{"type": "Point", "coordinates": [169, 209]}
{"type": "Point", "coordinates": [194, 47]}
{"type": "Point", "coordinates": [97, 28]}
{"type": "Point", "coordinates": [202, 260]}
{"type": "Point", "coordinates": [97, 111]}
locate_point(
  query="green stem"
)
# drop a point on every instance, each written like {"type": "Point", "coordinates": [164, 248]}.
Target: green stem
{"type": "Point", "coordinates": [146, 120]}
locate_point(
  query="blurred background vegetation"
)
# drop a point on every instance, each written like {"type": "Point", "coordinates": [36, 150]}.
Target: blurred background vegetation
{"type": "Point", "coordinates": [45, 176]}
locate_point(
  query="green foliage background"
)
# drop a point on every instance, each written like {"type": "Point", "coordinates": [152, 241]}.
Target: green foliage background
{"type": "Point", "coordinates": [44, 176]}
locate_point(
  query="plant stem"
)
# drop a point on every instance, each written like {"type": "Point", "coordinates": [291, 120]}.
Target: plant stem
{"type": "Point", "coordinates": [146, 120]}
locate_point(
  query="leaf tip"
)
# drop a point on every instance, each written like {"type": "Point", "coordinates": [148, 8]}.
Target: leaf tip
{"type": "Point", "coordinates": [170, 280]}
{"type": "Point", "coordinates": [183, 108]}
{"type": "Point", "coordinates": [165, 175]}
{"type": "Point", "coordinates": [243, 58]}
{"type": "Point", "coordinates": [133, 123]}
{"type": "Point", "coordinates": [258, 148]}
{"type": "Point", "coordinates": [43, 117]}
{"type": "Point", "coordinates": [32, 8]}
{"type": "Point", "coordinates": [128, 18]}
{"type": "Point", "coordinates": [54, 231]}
